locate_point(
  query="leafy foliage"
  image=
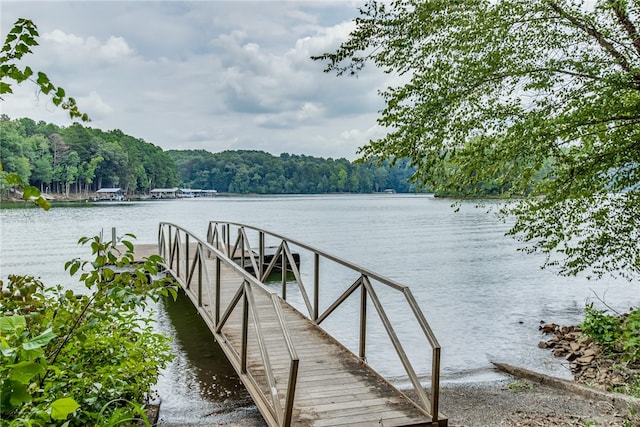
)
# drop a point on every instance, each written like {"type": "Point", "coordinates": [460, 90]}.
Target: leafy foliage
{"type": "Point", "coordinates": [18, 43]}
{"type": "Point", "coordinates": [618, 333]}
{"type": "Point", "coordinates": [82, 359]}
{"type": "Point", "coordinates": [602, 327]}
{"type": "Point", "coordinates": [541, 97]}
{"type": "Point", "coordinates": [619, 336]}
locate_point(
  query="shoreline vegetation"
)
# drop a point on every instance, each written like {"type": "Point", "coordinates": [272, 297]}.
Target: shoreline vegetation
{"type": "Point", "coordinates": [604, 359]}
{"type": "Point", "coordinates": [50, 333]}
{"type": "Point", "coordinates": [59, 199]}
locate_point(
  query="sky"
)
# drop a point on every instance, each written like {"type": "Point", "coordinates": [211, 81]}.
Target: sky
{"type": "Point", "coordinates": [212, 75]}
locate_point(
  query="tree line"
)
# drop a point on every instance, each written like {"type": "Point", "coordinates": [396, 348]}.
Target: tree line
{"type": "Point", "coordinates": [80, 160]}
{"type": "Point", "coordinates": [245, 171]}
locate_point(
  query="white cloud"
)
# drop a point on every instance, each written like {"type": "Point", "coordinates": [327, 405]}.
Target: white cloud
{"type": "Point", "coordinates": [95, 106]}
{"type": "Point", "coordinates": [115, 48]}
{"type": "Point", "coordinates": [68, 48]}
{"type": "Point", "coordinates": [359, 134]}
{"type": "Point", "coordinates": [326, 40]}
{"type": "Point", "coordinates": [62, 38]}
{"type": "Point", "coordinates": [309, 110]}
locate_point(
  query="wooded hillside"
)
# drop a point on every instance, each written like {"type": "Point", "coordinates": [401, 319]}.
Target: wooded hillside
{"type": "Point", "coordinates": [263, 173]}
{"type": "Point", "coordinates": [81, 160]}
{"type": "Point", "coordinates": [78, 159]}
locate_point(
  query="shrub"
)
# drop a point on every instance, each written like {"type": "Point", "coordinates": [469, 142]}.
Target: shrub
{"type": "Point", "coordinates": [630, 336]}
{"type": "Point", "coordinates": [616, 333]}
{"type": "Point", "coordinates": [69, 359]}
{"type": "Point", "coordinates": [602, 327]}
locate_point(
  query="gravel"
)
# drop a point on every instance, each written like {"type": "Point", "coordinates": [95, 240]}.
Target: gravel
{"type": "Point", "coordinates": [518, 402]}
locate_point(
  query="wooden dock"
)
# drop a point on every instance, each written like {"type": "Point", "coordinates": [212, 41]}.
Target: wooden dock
{"type": "Point", "coordinates": [327, 385]}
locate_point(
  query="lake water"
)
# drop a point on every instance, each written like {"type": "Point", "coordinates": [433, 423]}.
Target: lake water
{"type": "Point", "coordinates": [482, 297]}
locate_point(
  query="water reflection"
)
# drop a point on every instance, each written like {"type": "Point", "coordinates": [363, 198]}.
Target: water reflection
{"type": "Point", "coordinates": [200, 387]}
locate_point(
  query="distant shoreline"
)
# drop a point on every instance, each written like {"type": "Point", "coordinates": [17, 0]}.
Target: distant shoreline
{"type": "Point", "coordinates": [58, 200]}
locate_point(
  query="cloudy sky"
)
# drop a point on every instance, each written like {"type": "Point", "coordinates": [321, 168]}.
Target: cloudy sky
{"type": "Point", "coordinates": [213, 75]}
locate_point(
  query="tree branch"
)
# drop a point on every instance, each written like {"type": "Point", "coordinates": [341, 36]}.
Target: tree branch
{"type": "Point", "coordinates": [626, 23]}
{"type": "Point", "coordinates": [598, 36]}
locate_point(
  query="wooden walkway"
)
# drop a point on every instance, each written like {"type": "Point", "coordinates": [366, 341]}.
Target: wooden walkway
{"type": "Point", "coordinates": [333, 386]}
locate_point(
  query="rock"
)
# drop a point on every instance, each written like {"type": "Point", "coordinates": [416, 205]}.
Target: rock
{"type": "Point", "coordinates": [572, 356]}
{"type": "Point", "coordinates": [585, 360]}
{"type": "Point", "coordinates": [573, 336]}
{"type": "Point", "coordinates": [548, 328]}
{"type": "Point", "coordinates": [589, 363]}
{"type": "Point", "coordinates": [589, 373]}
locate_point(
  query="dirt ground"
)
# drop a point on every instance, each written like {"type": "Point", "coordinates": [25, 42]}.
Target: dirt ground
{"type": "Point", "coordinates": [518, 402]}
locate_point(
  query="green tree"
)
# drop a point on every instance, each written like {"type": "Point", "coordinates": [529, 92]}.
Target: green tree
{"type": "Point", "coordinates": [88, 171]}
{"type": "Point", "coordinates": [12, 150]}
{"type": "Point", "coordinates": [67, 171]}
{"type": "Point", "coordinates": [542, 96]}
{"type": "Point", "coordinates": [42, 172]}
{"type": "Point", "coordinates": [248, 171]}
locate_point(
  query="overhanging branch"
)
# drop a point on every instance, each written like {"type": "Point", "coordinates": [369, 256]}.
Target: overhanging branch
{"type": "Point", "coordinates": [600, 38]}
{"type": "Point", "coordinates": [623, 19]}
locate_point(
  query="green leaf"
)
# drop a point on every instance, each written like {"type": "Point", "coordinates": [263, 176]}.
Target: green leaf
{"type": "Point", "coordinates": [13, 179]}
{"type": "Point", "coordinates": [24, 371]}
{"type": "Point", "coordinates": [12, 323]}
{"type": "Point", "coordinates": [42, 203]}
{"type": "Point", "coordinates": [128, 244]}
{"type": "Point", "coordinates": [30, 192]}
{"type": "Point", "coordinates": [32, 354]}
{"type": "Point", "coordinates": [108, 274]}
{"type": "Point", "coordinates": [5, 349]}
{"type": "Point", "coordinates": [43, 80]}
{"type": "Point", "coordinates": [61, 408]}
{"type": "Point", "coordinates": [39, 341]}
{"type": "Point", "coordinates": [19, 393]}
{"type": "Point", "coordinates": [74, 268]}
{"type": "Point", "coordinates": [156, 258]}
{"type": "Point", "coordinates": [5, 88]}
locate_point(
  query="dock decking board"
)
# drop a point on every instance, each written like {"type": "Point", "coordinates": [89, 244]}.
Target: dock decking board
{"type": "Point", "coordinates": [333, 386]}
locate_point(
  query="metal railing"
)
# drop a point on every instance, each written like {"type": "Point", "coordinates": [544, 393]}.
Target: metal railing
{"type": "Point", "coordinates": [185, 256]}
{"type": "Point", "coordinates": [233, 240]}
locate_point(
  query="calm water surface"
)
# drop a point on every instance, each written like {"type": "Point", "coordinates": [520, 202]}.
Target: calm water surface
{"type": "Point", "coordinates": [483, 298]}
